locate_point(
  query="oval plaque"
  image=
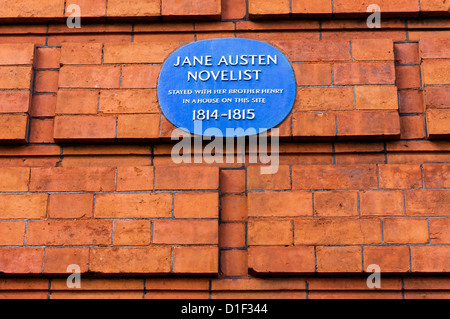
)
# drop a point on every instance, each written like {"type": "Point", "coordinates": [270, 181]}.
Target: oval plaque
{"type": "Point", "coordinates": [241, 87]}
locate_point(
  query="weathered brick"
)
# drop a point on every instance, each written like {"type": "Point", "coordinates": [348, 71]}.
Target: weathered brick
{"type": "Point", "coordinates": [234, 9]}
{"type": "Point", "coordinates": [278, 181]}
{"type": "Point", "coordinates": [140, 76]}
{"type": "Point", "coordinates": [313, 73]}
{"type": "Point", "coordinates": [132, 233]}
{"type": "Point", "coordinates": [376, 98]}
{"type": "Point", "coordinates": [314, 50]}
{"type": "Point", "coordinates": [25, 206]}
{"type": "Point", "coordinates": [185, 232]}
{"type": "Point", "coordinates": [437, 97]}
{"type": "Point", "coordinates": [203, 8]}
{"type": "Point", "coordinates": [402, 176]}
{"type": "Point", "coordinates": [411, 101]}
{"type": "Point", "coordinates": [436, 175]}
{"type": "Point", "coordinates": [391, 259]}
{"type": "Point", "coordinates": [133, 260]}
{"type": "Point", "coordinates": [196, 260]}
{"type": "Point", "coordinates": [70, 206]}
{"type": "Point", "coordinates": [16, 53]}
{"type": "Point", "coordinates": [280, 204]}
{"type": "Point", "coordinates": [262, 8]}
{"type": "Point", "coordinates": [319, 125]}
{"type": "Point", "coordinates": [270, 232]}
{"type": "Point", "coordinates": [77, 102]}
{"type": "Point", "coordinates": [85, 128]}
{"type": "Point", "coordinates": [186, 205]}
{"type": "Point", "coordinates": [90, 76]}
{"type": "Point", "coordinates": [305, 7]}
{"type": "Point", "coordinates": [128, 8]}
{"type": "Point", "coordinates": [234, 208]}
{"type": "Point", "coordinates": [12, 233]}
{"type": "Point", "coordinates": [402, 6]}
{"type": "Point", "coordinates": [434, 48]}
{"type": "Point", "coordinates": [342, 231]}
{"type": "Point", "coordinates": [57, 260]}
{"type": "Point", "coordinates": [406, 53]}
{"type": "Point", "coordinates": [138, 127]}
{"type": "Point", "coordinates": [327, 204]}
{"type": "Point", "coordinates": [438, 123]}
{"type": "Point", "coordinates": [363, 73]}
{"type": "Point", "coordinates": [388, 203]}
{"type": "Point", "coordinates": [421, 261]}
{"type": "Point", "coordinates": [365, 123]}
{"type": "Point", "coordinates": [88, 8]}
{"type": "Point", "coordinates": [436, 72]}
{"type": "Point", "coordinates": [324, 99]}
{"type": "Point", "coordinates": [427, 203]}
{"type": "Point", "coordinates": [232, 235]}
{"type": "Point", "coordinates": [16, 77]}
{"type": "Point", "coordinates": [439, 231]}
{"type": "Point", "coordinates": [412, 127]}
{"type": "Point", "coordinates": [133, 205]}
{"type": "Point", "coordinates": [14, 101]}
{"type": "Point", "coordinates": [14, 179]}
{"type": "Point", "coordinates": [32, 9]}
{"type": "Point", "coordinates": [73, 179]}
{"type": "Point", "coordinates": [234, 263]}
{"type": "Point", "coordinates": [135, 178]}
{"type": "Point", "coordinates": [145, 52]}
{"type": "Point", "coordinates": [56, 233]}
{"type": "Point", "coordinates": [81, 53]}
{"type": "Point", "coordinates": [273, 260]}
{"type": "Point", "coordinates": [339, 259]}
{"type": "Point", "coordinates": [405, 231]}
{"type": "Point", "coordinates": [232, 181]}
{"type": "Point", "coordinates": [128, 101]}
{"type": "Point", "coordinates": [186, 178]}
{"type": "Point", "coordinates": [372, 50]}
{"type": "Point", "coordinates": [407, 77]}
{"type": "Point", "coordinates": [341, 177]}
{"type": "Point", "coordinates": [21, 260]}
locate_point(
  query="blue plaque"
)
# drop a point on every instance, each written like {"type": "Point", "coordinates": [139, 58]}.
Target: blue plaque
{"type": "Point", "coordinates": [241, 87]}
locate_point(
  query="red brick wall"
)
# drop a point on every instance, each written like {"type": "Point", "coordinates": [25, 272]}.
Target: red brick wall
{"type": "Point", "coordinates": [86, 175]}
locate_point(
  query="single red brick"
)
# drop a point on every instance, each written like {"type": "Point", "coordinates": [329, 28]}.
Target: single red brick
{"type": "Point", "coordinates": [372, 50]}
{"type": "Point", "coordinates": [325, 99]}
{"type": "Point", "coordinates": [14, 128]}
{"type": "Point", "coordinates": [21, 260]}
{"type": "Point", "coordinates": [405, 231]}
{"type": "Point", "coordinates": [140, 76]}
{"type": "Point", "coordinates": [138, 205]}
{"type": "Point", "coordinates": [439, 233]}
{"type": "Point", "coordinates": [315, 50]}
{"type": "Point", "coordinates": [406, 53]}
{"type": "Point", "coordinates": [57, 260]}
{"type": "Point", "coordinates": [129, 8]}
{"type": "Point", "coordinates": [43, 105]}
{"type": "Point", "coordinates": [233, 263]}
{"type": "Point", "coordinates": [438, 123]}
{"type": "Point", "coordinates": [434, 48]}
{"type": "Point", "coordinates": [364, 73]}
{"type": "Point", "coordinates": [32, 9]}
{"type": "Point", "coordinates": [77, 102]}
{"type": "Point", "coordinates": [16, 53]}
{"type": "Point", "coordinates": [90, 76]}
{"type": "Point", "coordinates": [304, 7]}
{"type": "Point", "coordinates": [408, 77]}
{"type": "Point", "coordinates": [436, 72]}
{"type": "Point", "coordinates": [132, 233]}
{"type": "Point", "coordinates": [129, 101]}
{"type": "Point", "coordinates": [232, 235]}
{"type": "Point", "coordinates": [437, 97]}
{"type": "Point", "coordinates": [14, 101]}
{"type": "Point", "coordinates": [391, 259]}
{"type": "Point", "coordinates": [204, 8]}
{"type": "Point", "coordinates": [46, 81]}
{"type": "Point", "coordinates": [135, 178]}
{"type": "Point", "coordinates": [270, 232]}
{"type": "Point", "coordinates": [412, 127]}
{"type": "Point", "coordinates": [234, 208]}
{"type": "Point", "coordinates": [341, 231]}
{"type": "Point", "coordinates": [280, 204]}
{"type": "Point", "coordinates": [376, 98]}
{"type": "Point", "coordinates": [12, 233]}
{"type": "Point", "coordinates": [436, 175]}
{"type": "Point", "coordinates": [75, 179]}
{"type": "Point", "coordinates": [234, 9]}
{"type": "Point", "coordinates": [411, 101]}
{"type": "Point", "coordinates": [365, 123]}
{"type": "Point", "coordinates": [186, 232]}
{"type": "Point", "coordinates": [341, 177]}
{"type": "Point", "coordinates": [144, 52]}
{"type": "Point", "coordinates": [71, 206]}
{"type": "Point", "coordinates": [25, 206]}
{"type": "Point", "coordinates": [374, 203]}
{"type": "Point", "coordinates": [262, 8]}
{"type": "Point", "coordinates": [16, 77]}
{"type": "Point", "coordinates": [47, 58]}
{"type": "Point", "coordinates": [335, 204]}
{"type": "Point", "coordinates": [279, 181]}
{"type": "Point", "coordinates": [58, 232]}
{"type": "Point", "coordinates": [196, 260]}
{"type": "Point", "coordinates": [403, 6]}
{"type": "Point", "coordinates": [132, 260]}
{"type": "Point", "coordinates": [339, 259]}
{"type": "Point", "coordinates": [196, 205]}
{"type": "Point", "coordinates": [427, 203]}
{"type": "Point", "coordinates": [313, 74]}
{"type": "Point", "coordinates": [85, 128]}
{"type": "Point", "coordinates": [314, 125]}
{"type": "Point", "coordinates": [265, 260]}
{"type": "Point", "coordinates": [14, 179]}
{"type": "Point", "coordinates": [81, 53]}
{"type": "Point", "coordinates": [88, 8]}
{"type": "Point", "coordinates": [186, 178]}
{"type": "Point", "coordinates": [138, 127]}
{"type": "Point", "coordinates": [421, 261]}
{"type": "Point", "coordinates": [393, 176]}
{"type": "Point", "coordinates": [41, 131]}
{"type": "Point", "coordinates": [232, 181]}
